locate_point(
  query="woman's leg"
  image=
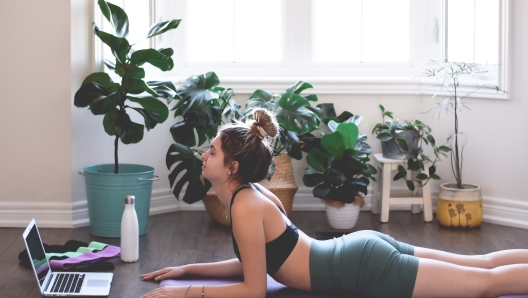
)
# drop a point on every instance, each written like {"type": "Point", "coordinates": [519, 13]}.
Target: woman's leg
{"type": "Point", "coordinates": [488, 261]}
{"type": "Point", "coordinates": [441, 279]}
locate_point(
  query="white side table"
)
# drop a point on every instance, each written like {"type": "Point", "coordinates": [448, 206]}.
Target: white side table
{"type": "Point", "coordinates": [382, 191]}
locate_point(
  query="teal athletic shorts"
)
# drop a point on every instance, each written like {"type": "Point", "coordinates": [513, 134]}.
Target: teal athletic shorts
{"type": "Point", "coordinates": [369, 263]}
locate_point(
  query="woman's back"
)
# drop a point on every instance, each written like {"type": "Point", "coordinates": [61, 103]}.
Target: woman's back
{"type": "Point", "coordinates": [295, 271]}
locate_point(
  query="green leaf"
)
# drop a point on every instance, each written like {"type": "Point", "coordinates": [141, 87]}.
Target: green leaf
{"type": "Point", "coordinates": [398, 176]}
{"type": "Point", "coordinates": [165, 89]}
{"type": "Point", "coordinates": [89, 92]}
{"type": "Point", "coordinates": [103, 79]}
{"type": "Point", "coordinates": [402, 143]}
{"type": "Point", "coordinates": [130, 71]}
{"type": "Point", "coordinates": [434, 176]}
{"type": "Point", "coordinates": [162, 27]}
{"type": "Point", "coordinates": [384, 136]}
{"type": "Point", "coordinates": [298, 87]}
{"type": "Point", "coordinates": [410, 163]}
{"type": "Point", "coordinates": [135, 86]}
{"type": "Point", "coordinates": [327, 110]}
{"type": "Point", "coordinates": [382, 108]}
{"type": "Point", "coordinates": [318, 160]}
{"type": "Point", "coordinates": [187, 171]}
{"type": "Point", "coordinates": [103, 5]}
{"type": "Point", "coordinates": [152, 105]}
{"type": "Point", "coordinates": [333, 143]}
{"type": "Point", "coordinates": [312, 178]}
{"type": "Point", "coordinates": [402, 171]}
{"type": "Point", "coordinates": [297, 114]}
{"type": "Point", "coordinates": [322, 190]}
{"type": "Point", "coordinates": [444, 149]}
{"type": "Point", "coordinates": [156, 58]}
{"type": "Point", "coordinates": [120, 20]}
{"type": "Point", "coordinates": [103, 105]}
{"type": "Point", "coordinates": [118, 123]}
{"type": "Point", "coordinates": [109, 121]}
{"type": "Point", "coordinates": [431, 139]}
{"type": "Point", "coordinates": [118, 45]}
{"type": "Point", "coordinates": [410, 185]}
{"type": "Point", "coordinates": [151, 119]}
{"type": "Point", "coordinates": [432, 170]}
{"type": "Point", "coordinates": [196, 93]}
{"type": "Point", "coordinates": [421, 176]}
{"type": "Point", "coordinates": [335, 177]}
{"type": "Point", "coordinates": [349, 133]}
{"type": "Point", "coordinates": [109, 64]}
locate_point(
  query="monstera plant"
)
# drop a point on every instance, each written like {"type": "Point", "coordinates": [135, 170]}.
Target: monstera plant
{"type": "Point", "coordinates": [105, 97]}
{"type": "Point", "coordinates": [294, 113]}
{"type": "Point", "coordinates": [202, 107]}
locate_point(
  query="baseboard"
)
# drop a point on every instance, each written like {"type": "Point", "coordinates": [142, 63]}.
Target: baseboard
{"type": "Point", "coordinates": [63, 215]}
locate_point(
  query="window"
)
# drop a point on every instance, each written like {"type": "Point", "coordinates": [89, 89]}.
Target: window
{"type": "Point", "coordinates": [234, 31]}
{"type": "Point", "coordinates": [361, 31]}
{"type": "Point", "coordinates": [473, 31]}
{"type": "Point", "coordinates": [340, 46]}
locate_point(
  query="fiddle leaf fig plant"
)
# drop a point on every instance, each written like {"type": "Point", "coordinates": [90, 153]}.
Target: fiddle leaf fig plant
{"type": "Point", "coordinates": [105, 97]}
{"type": "Point", "coordinates": [202, 107]}
{"type": "Point", "coordinates": [341, 170]}
{"type": "Point", "coordinates": [294, 113]}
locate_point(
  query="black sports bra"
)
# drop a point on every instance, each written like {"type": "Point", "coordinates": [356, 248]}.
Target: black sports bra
{"type": "Point", "coordinates": [278, 249]}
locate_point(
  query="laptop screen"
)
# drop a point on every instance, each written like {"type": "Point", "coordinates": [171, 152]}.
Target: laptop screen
{"type": "Point", "coordinates": [37, 254]}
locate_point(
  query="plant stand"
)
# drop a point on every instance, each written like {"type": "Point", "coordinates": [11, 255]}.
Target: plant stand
{"type": "Point", "coordinates": [382, 197]}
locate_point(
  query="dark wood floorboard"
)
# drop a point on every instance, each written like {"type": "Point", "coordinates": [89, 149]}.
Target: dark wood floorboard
{"type": "Point", "coordinates": [192, 237]}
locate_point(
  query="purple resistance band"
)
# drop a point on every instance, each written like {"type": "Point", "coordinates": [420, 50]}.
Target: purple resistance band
{"type": "Point", "coordinates": [88, 257]}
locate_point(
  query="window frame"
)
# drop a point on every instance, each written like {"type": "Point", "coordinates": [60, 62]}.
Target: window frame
{"type": "Point", "coordinates": [427, 43]}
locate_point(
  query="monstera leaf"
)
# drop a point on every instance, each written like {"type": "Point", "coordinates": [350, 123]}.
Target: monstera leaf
{"type": "Point", "coordinates": [188, 163]}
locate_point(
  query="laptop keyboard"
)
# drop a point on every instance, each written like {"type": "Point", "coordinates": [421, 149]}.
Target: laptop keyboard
{"type": "Point", "coordinates": [67, 283]}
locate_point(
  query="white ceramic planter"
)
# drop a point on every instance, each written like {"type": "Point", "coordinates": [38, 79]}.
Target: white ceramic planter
{"type": "Point", "coordinates": [344, 217]}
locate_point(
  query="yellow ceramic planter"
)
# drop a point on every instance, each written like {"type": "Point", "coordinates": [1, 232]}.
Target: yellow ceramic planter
{"type": "Point", "coordinates": [459, 208]}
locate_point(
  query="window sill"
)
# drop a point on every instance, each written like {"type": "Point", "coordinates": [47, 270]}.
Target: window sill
{"type": "Point", "coordinates": [346, 85]}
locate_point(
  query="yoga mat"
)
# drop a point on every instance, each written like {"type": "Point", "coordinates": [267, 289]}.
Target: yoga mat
{"type": "Point", "coordinates": [275, 289]}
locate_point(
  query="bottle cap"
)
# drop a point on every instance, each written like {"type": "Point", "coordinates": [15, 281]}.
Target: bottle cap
{"type": "Point", "coordinates": [130, 200]}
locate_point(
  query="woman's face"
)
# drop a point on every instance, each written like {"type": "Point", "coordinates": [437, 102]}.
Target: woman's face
{"type": "Point", "coordinates": [213, 167]}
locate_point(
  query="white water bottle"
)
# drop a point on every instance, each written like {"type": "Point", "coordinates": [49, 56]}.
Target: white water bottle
{"type": "Point", "coordinates": [129, 232]}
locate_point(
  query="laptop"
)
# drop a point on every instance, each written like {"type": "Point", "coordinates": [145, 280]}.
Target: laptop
{"type": "Point", "coordinates": [62, 283]}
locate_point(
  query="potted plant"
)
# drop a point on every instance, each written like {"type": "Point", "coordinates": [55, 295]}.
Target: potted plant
{"type": "Point", "coordinates": [340, 172]}
{"type": "Point", "coordinates": [108, 184]}
{"type": "Point", "coordinates": [405, 141]}
{"type": "Point", "coordinates": [459, 200]}
{"type": "Point", "coordinates": [295, 115]}
{"type": "Point", "coordinates": [202, 107]}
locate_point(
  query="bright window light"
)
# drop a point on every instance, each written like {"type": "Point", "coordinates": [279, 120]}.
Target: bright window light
{"type": "Point", "coordinates": [234, 31]}
{"type": "Point", "coordinates": [361, 30]}
{"type": "Point", "coordinates": [473, 31]}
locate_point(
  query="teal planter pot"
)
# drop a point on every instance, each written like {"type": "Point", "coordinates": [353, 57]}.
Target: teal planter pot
{"type": "Point", "coordinates": [106, 191]}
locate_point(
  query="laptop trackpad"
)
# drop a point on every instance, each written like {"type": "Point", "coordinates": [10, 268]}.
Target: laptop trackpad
{"type": "Point", "coordinates": [97, 283]}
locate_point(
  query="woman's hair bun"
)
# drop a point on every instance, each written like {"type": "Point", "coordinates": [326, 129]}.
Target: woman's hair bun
{"type": "Point", "coordinates": [265, 123]}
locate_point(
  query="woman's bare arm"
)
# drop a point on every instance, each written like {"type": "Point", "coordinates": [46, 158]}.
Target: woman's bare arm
{"type": "Point", "coordinates": [228, 268]}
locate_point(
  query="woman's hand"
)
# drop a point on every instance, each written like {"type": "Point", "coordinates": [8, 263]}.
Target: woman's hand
{"type": "Point", "coordinates": [169, 291]}
{"type": "Point", "coordinates": [169, 272]}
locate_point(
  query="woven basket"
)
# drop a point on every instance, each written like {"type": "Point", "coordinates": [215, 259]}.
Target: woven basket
{"type": "Point", "coordinates": [215, 209]}
{"type": "Point", "coordinates": [281, 184]}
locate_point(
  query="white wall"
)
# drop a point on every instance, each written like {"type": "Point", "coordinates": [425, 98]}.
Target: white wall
{"type": "Point", "coordinates": [45, 140]}
{"type": "Point", "coordinates": [35, 124]}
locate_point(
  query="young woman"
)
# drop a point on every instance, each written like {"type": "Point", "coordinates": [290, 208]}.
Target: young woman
{"type": "Point", "coordinates": [365, 262]}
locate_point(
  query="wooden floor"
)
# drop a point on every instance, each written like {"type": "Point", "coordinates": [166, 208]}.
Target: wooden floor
{"type": "Point", "coordinates": [186, 237]}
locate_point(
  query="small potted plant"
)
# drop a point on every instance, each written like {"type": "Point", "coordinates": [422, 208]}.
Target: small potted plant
{"type": "Point", "coordinates": [405, 141]}
{"type": "Point", "coordinates": [460, 199]}
{"type": "Point", "coordinates": [340, 171]}
{"type": "Point", "coordinates": [108, 184]}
